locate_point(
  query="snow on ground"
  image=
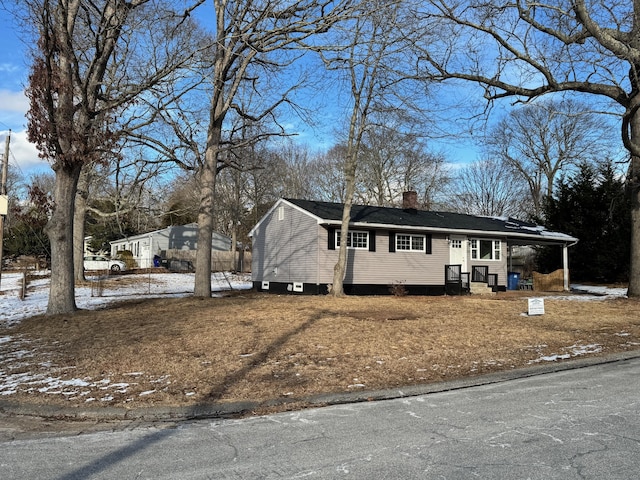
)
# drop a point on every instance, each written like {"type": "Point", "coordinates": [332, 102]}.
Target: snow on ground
{"type": "Point", "coordinates": [572, 351]}
{"type": "Point", "coordinates": [599, 292]}
{"type": "Point", "coordinates": [17, 371]}
{"type": "Point", "coordinates": [13, 309]}
{"type": "Point", "coordinates": [89, 297]}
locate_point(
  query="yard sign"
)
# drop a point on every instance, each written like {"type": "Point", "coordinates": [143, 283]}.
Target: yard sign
{"type": "Point", "coordinates": [536, 306]}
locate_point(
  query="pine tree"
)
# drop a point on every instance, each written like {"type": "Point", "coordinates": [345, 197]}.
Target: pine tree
{"type": "Point", "coordinates": [593, 206]}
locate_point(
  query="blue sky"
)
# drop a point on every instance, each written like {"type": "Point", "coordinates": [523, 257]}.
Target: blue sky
{"type": "Point", "coordinates": [13, 103]}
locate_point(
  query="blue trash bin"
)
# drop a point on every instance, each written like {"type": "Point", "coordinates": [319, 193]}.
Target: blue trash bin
{"type": "Point", "coordinates": [513, 279]}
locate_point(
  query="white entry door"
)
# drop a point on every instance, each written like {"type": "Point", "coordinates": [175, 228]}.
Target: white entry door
{"type": "Point", "coordinates": [458, 251]}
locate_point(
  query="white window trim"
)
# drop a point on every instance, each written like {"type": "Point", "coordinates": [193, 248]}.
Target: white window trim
{"type": "Point", "coordinates": [350, 235]}
{"type": "Point", "coordinates": [411, 237]}
{"type": "Point", "coordinates": [496, 248]}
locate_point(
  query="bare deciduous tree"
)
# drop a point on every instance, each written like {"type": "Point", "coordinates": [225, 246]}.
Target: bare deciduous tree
{"type": "Point", "coordinates": [522, 50]}
{"type": "Point", "coordinates": [375, 60]}
{"type": "Point", "coordinates": [485, 187]}
{"type": "Point", "coordinates": [541, 140]}
{"type": "Point", "coordinates": [328, 178]}
{"type": "Point", "coordinates": [392, 162]}
{"type": "Point", "coordinates": [249, 36]}
{"type": "Point", "coordinates": [80, 78]}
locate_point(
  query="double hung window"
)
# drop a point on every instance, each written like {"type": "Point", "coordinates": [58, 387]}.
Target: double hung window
{"type": "Point", "coordinates": [410, 243]}
{"type": "Point", "coordinates": [355, 239]}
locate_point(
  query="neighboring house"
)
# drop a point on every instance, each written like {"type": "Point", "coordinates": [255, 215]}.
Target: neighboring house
{"type": "Point", "coordinates": [162, 243]}
{"type": "Point", "coordinates": [295, 248]}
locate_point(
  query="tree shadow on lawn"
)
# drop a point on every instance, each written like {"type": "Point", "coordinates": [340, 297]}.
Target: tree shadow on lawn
{"type": "Point", "coordinates": [201, 410]}
{"type": "Point", "coordinates": [218, 390]}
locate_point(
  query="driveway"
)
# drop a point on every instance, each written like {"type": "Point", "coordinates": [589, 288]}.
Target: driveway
{"type": "Point", "coordinates": [574, 424]}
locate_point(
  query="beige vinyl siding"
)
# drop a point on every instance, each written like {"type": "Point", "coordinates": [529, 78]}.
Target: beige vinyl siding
{"type": "Point", "coordinates": [285, 247]}
{"type": "Point", "coordinates": [383, 267]}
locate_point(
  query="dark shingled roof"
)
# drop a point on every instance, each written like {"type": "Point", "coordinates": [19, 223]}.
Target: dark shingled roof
{"type": "Point", "coordinates": [364, 214]}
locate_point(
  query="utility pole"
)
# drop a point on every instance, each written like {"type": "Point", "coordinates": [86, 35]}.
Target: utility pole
{"type": "Point", "coordinates": [4, 199]}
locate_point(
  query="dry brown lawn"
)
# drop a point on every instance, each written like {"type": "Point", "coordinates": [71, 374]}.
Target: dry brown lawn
{"type": "Point", "coordinates": [252, 346]}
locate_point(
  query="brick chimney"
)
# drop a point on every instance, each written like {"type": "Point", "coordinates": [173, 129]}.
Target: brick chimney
{"type": "Point", "coordinates": [410, 202]}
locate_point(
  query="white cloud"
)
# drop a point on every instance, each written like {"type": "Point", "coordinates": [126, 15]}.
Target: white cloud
{"type": "Point", "coordinates": [13, 102]}
{"type": "Point", "coordinates": [9, 68]}
{"type": "Point", "coordinates": [23, 155]}
{"type": "Point", "coordinates": [13, 108]}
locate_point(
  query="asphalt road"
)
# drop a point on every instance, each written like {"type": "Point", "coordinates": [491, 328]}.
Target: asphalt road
{"type": "Point", "coordinates": [575, 424]}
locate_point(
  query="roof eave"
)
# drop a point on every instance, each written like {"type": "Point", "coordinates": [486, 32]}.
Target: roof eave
{"type": "Point", "coordinates": [276, 205]}
{"type": "Point", "coordinates": [533, 238]}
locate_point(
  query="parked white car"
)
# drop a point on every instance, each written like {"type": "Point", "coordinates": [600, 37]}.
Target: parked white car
{"type": "Point", "coordinates": [96, 262]}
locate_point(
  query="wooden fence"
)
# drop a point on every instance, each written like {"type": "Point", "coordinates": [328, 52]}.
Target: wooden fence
{"type": "Point", "coordinates": [220, 261]}
{"type": "Point", "coordinates": [551, 282]}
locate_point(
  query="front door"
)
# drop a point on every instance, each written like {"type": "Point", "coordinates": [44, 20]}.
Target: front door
{"type": "Point", "coordinates": [458, 251]}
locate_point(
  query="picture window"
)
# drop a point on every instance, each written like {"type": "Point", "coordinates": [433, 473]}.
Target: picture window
{"type": "Point", "coordinates": [486, 249]}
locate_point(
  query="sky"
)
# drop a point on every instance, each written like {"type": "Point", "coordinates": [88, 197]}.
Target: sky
{"type": "Point", "coordinates": [460, 149]}
{"type": "Point", "coordinates": [13, 103]}
{"type": "Point", "coordinates": [14, 106]}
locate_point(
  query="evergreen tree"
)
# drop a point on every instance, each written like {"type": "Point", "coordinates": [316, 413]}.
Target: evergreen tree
{"type": "Point", "coordinates": [593, 206]}
{"type": "Point", "coordinates": [26, 235]}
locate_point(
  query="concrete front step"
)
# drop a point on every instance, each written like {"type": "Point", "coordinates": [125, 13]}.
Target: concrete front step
{"type": "Point", "coordinates": [480, 288]}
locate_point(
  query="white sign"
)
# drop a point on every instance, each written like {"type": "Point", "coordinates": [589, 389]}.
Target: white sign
{"type": "Point", "coordinates": [4, 204]}
{"type": "Point", "coordinates": [536, 306]}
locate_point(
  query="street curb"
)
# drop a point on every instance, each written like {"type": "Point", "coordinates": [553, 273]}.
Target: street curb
{"type": "Point", "coordinates": [237, 409]}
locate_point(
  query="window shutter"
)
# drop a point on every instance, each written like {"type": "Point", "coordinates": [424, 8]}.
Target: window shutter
{"type": "Point", "coordinates": [331, 233]}
{"type": "Point", "coordinates": [427, 244]}
{"type": "Point", "coordinates": [392, 242]}
{"type": "Point", "coordinates": [372, 240]}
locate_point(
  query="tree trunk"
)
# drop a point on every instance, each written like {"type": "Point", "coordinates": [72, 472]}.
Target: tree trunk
{"type": "Point", "coordinates": [340, 268]}
{"type": "Point", "coordinates": [60, 233]}
{"type": "Point", "coordinates": [202, 287]}
{"type": "Point", "coordinates": [634, 190]}
{"type": "Point", "coordinates": [79, 215]}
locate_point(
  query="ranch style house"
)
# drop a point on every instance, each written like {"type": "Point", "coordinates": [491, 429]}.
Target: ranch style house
{"type": "Point", "coordinates": [295, 249]}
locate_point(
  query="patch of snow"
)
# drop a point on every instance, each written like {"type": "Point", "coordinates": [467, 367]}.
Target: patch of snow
{"type": "Point", "coordinates": [574, 351]}
{"type": "Point", "coordinates": [151, 285]}
{"type": "Point", "coordinates": [598, 290]}
{"type": "Point", "coordinates": [578, 350]}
